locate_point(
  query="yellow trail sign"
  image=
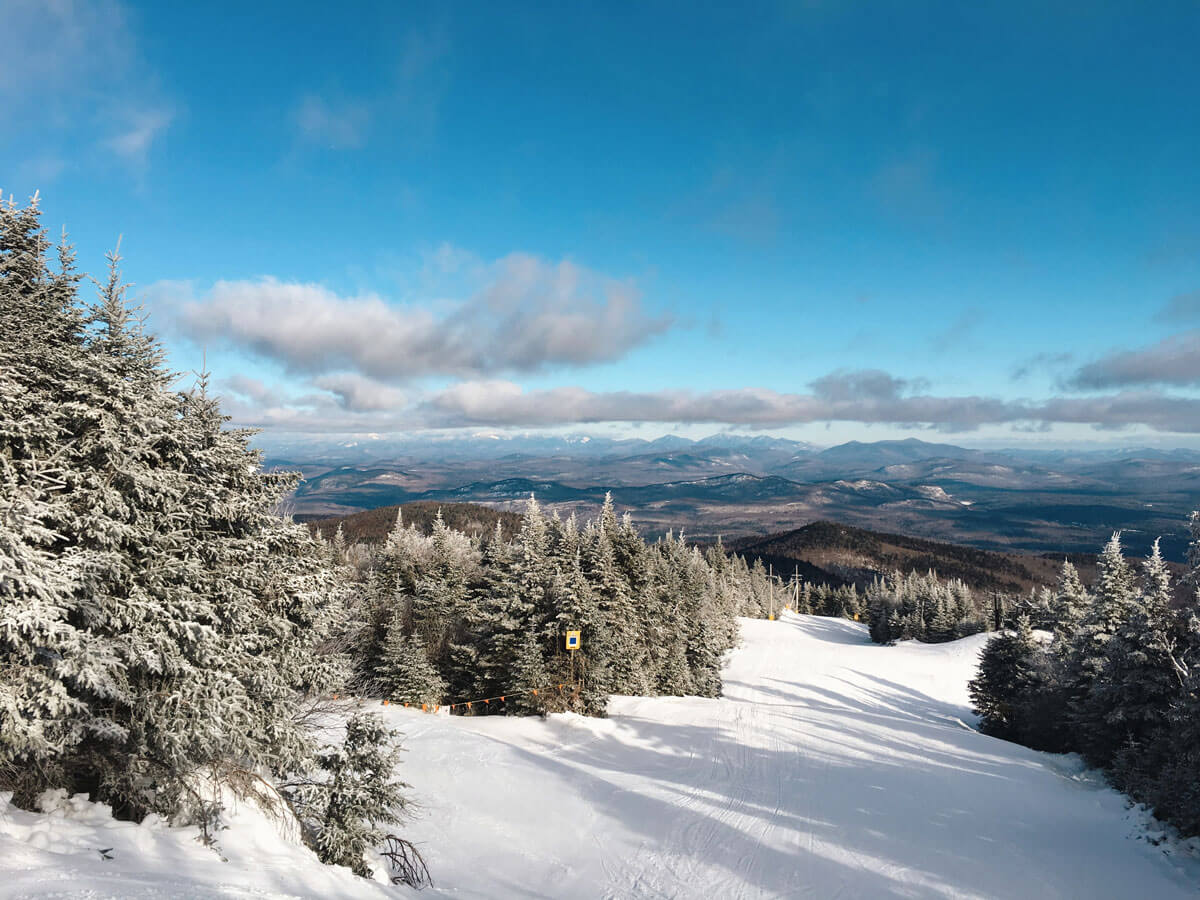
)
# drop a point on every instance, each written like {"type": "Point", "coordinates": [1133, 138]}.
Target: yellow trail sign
{"type": "Point", "coordinates": [573, 642]}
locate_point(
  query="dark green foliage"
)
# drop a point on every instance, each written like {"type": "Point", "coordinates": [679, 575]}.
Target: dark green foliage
{"type": "Point", "coordinates": [1089, 656]}
{"type": "Point", "coordinates": [1119, 682]}
{"type": "Point", "coordinates": [346, 813]}
{"type": "Point", "coordinates": [493, 613]}
{"type": "Point", "coordinates": [405, 674]}
{"type": "Point", "coordinates": [1012, 692]}
{"type": "Point", "coordinates": [925, 608]}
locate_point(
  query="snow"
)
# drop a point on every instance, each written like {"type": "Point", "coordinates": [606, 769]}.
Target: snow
{"type": "Point", "coordinates": [832, 768]}
{"type": "Point", "coordinates": [57, 854]}
{"type": "Point", "coordinates": [933, 492]}
{"type": "Point", "coordinates": [864, 485]}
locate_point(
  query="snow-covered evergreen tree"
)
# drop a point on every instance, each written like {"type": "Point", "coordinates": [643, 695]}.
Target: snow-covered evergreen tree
{"type": "Point", "coordinates": [627, 659]}
{"type": "Point", "coordinates": [1005, 682]}
{"type": "Point", "coordinates": [1121, 686]}
{"type": "Point", "coordinates": [49, 664]}
{"type": "Point", "coordinates": [405, 673]}
{"type": "Point", "coordinates": [1112, 610]}
{"type": "Point", "coordinates": [348, 813]}
{"type": "Point", "coordinates": [1072, 601]}
{"type": "Point", "coordinates": [1141, 679]}
{"type": "Point", "coordinates": [675, 678]}
{"type": "Point", "coordinates": [530, 680]}
{"type": "Point", "coordinates": [160, 620]}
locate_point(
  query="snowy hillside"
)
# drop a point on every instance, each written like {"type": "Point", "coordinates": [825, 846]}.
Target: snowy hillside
{"type": "Point", "coordinates": [831, 768]}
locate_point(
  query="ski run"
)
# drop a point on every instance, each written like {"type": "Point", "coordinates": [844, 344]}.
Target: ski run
{"type": "Point", "coordinates": [831, 767]}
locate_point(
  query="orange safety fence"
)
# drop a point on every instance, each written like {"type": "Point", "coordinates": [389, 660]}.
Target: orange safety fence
{"type": "Point", "coordinates": [487, 701]}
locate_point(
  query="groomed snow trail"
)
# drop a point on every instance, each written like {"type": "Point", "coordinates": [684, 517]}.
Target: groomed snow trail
{"type": "Point", "coordinates": [831, 768]}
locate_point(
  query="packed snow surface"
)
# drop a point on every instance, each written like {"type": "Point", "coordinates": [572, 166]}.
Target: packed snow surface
{"type": "Point", "coordinates": [831, 768]}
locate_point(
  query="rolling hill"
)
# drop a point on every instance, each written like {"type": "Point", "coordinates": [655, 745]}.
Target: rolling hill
{"type": "Point", "coordinates": [842, 554]}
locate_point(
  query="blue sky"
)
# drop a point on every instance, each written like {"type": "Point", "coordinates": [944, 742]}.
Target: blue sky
{"type": "Point", "coordinates": [824, 220]}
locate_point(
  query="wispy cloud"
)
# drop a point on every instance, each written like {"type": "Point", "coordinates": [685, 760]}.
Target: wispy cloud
{"type": "Point", "coordinates": [141, 128]}
{"type": "Point", "coordinates": [1174, 360]}
{"type": "Point", "coordinates": [907, 186]}
{"type": "Point", "coordinates": [1039, 362]}
{"type": "Point", "coordinates": [410, 97]}
{"type": "Point", "coordinates": [337, 125]}
{"type": "Point", "coordinates": [72, 75]}
{"type": "Point", "coordinates": [1182, 308]}
{"type": "Point", "coordinates": [959, 330]}
{"type": "Point", "coordinates": [503, 403]}
{"type": "Point", "coordinates": [56, 46]}
{"type": "Point", "coordinates": [863, 385]}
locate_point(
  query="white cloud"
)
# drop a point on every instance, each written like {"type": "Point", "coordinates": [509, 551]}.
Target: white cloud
{"type": "Point", "coordinates": [1174, 360]}
{"type": "Point", "coordinates": [139, 131]}
{"type": "Point", "coordinates": [504, 403]}
{"type": "Point", "coordinates": [529, 314]}
{"type": "Point", "coordinates": [358, 394]}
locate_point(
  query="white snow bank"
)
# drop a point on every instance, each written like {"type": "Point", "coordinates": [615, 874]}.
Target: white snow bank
{"type": "Point", "coordinates": [832, 767]}
{"type": "Point", "coordinates": [76, 849]}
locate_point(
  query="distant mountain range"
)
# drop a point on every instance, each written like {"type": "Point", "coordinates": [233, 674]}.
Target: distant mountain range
{"type": "Point", "coordinates": [363, 450]}
{"type": "Point", "coordinates": [1059, 501]}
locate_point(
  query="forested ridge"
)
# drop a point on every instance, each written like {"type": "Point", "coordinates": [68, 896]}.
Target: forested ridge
{"type": "Point", "coordinates": [372, 526]}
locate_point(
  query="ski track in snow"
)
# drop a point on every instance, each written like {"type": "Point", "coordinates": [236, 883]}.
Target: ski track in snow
{"type": "Point", "coordinates": [831, 768]}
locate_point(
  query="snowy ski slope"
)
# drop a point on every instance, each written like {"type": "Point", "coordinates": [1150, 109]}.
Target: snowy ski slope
{"type": "Point", "coordinates": [831, 768]}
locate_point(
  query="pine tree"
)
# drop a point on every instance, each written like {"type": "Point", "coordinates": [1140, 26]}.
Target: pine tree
{"type": "Point", "coordinates": [1072, 601]}
{"type": "Point", "coordinates": [580, 610]}
{"type": "Point", "coordinates": [175, 620]}
{"type": "Point", "coordinates": [480, 653]}
{"type": "Point", "coordinates": [498, 617]}
{"type": "Point", "coordinates": [350, 811]}
{"type": "Point", "coordinates": [49, 664]}
{"type": "Point", "coordinates": [1140, 681]}
{"type": "Point", "coordinates": [529, 677]}
{"type": "Point", "coordinates": [943, 624]}
{"type": "Point", "coordinates": [337, 547]}
{"type": "Point", "coordinates": [704, 656]}
{"type": "Point", "coordinates": [405, 673]}
{"type": "Point", "coordinates": [675, 679]}
{"type": "Point", "coordinates": [1005, 682]}
{"type": "Point", "coordinates": [440, 590]}
{"type": "Point", "coordinates": [627, 661]}
{"type": "Point", "coordinates": [1088, 658]}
